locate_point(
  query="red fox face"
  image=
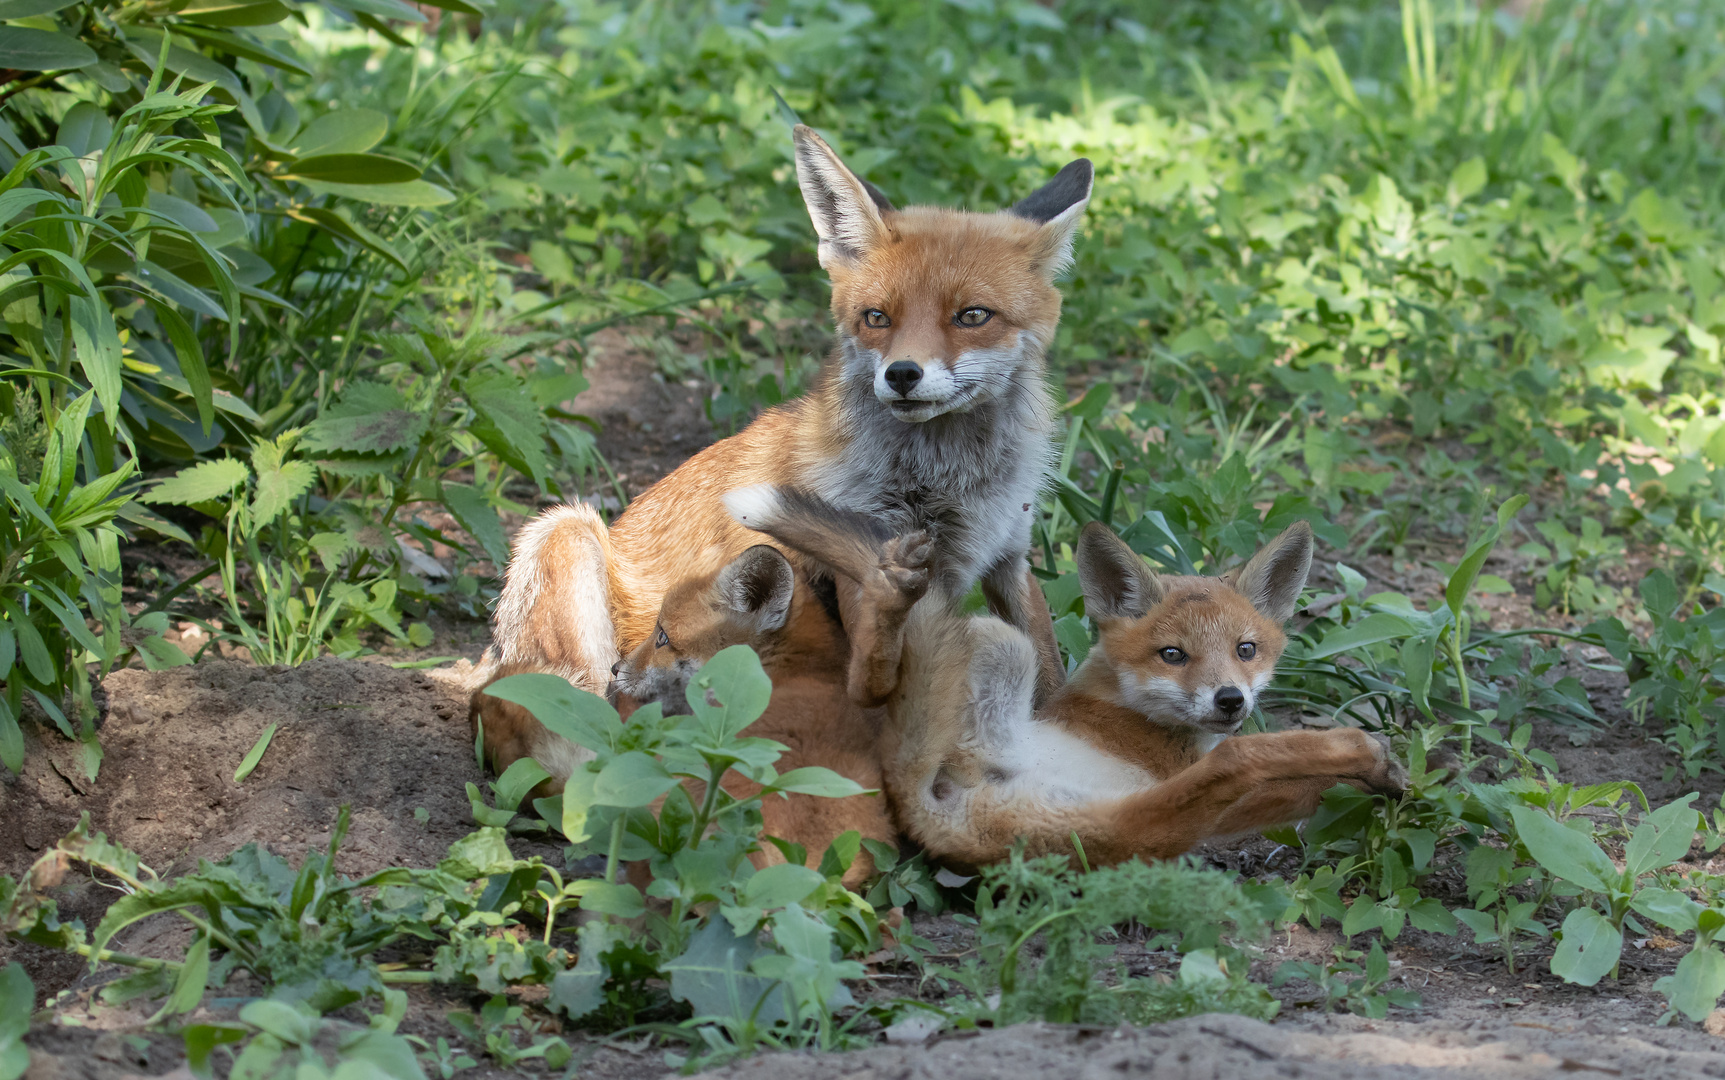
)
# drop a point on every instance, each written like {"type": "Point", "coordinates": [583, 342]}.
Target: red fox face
{"type": "Point", "coordinates": [1191, 650]}
{"type": "Point", "coordinates": [746, 603]}
{"type": "Point", "coordinates": [938, 310]}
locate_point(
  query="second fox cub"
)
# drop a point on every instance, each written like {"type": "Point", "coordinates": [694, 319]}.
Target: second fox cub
{"type": "Point", "coordinates": [1133, 755]}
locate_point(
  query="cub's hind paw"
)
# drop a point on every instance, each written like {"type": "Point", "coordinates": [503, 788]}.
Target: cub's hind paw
{"type": "Point", "coordinates": [1389, 777]}
{"type": "Point", "coordinates": [905, 564]}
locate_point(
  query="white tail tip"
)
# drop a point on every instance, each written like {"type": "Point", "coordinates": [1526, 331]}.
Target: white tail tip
{"type": "Point", "coordinates": [754, 507]}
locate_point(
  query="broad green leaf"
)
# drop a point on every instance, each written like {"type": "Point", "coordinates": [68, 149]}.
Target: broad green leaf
{"type": "Point", "coordinates": [294, 1024]}
{"type": "Point", "coordinates": [579, 990]}
{"type": "Point", "coordinates": [1563, 851]}
{"type": "Point", "coordinates": [190, 352]}
{"type": "Point", "coordinates": [474, 512]}
{"type": "Point", "coordinates": [785, 883]}
{"type": "Point", "coordinates": [17, 1002]}
{"type": "Point", "coordinates": [1589, 950]}
{"type": "Point", "coordinates": [730, 692]}
{"type": "Point", "coordinates": [478, 854]}
{"type": "Point", "coordinates": [1667, 907]}
{"type": "Point", "coordinates": [246, 48]}
{"type": "Point", "coordinates": [483, 814]}
{"type": "Point", "coordinates": [713, 976]}
{"type": "Point", "coordinates": [1461, 582]}
{"type": "Point", "coordinates": [414, 193]}
{"type": "Point", "coordinates": [350, 169]}
{"type": "Point", "coordinates": [345, 227]}
{"type": "Point", "coordinates": [1697, 983]}
{"type": "Point", "coordinates": [203, 482]}
{"type": "Point", "coordinates": [191, 981]}
{"type": "Point", "coordinates": [583, 718]}
{"type": "Point", "coordinates": [368, 418]}
{"type": "Point", "coordinates": [254, 755]}
{"type": "Point", "coordinates": [345, 131]}
{"type": "Point", "coordinates": [522, 776]}
{"type": "Point", "coordinates": [1467, 180]}
{"type": "Point", "coordinates": [1379, 626]}
{"type": "Point", "coordinates": [84, 128]}
{"type": "Point", "coordinates": [1482, 923]}
{"type": "Point", "coordinates": [815, 780]}
{"type": "Point", "coordinates": [19, 9]}
{"type": "Point", "coordinates": [510, 422]}
{"type": "Point", "coordinates": [382, 9]}
{"type": "Point", "coordinates": [630, 780]}
{"type": "Point", "coordinates": [614, 898]}
{"type": "Point", "coordinates": [11, 737]}
{"type": "Point", "coordinates": [30, 646]}
{"type": "Point", "coordinates": [1662, 838]}
{"type": "Point", "coordinates": [25, 49]}
{"type": "Point", "coordinates": [479, 7]}
{"type": "Point", "coordinates": [236, 12]}
{"type": "Point", "coordinates": [577, 801]}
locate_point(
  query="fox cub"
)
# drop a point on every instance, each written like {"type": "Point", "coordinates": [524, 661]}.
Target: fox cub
{"type": "Point", "coordinates": [931, 413]}
{"type": "Point", "coordinates": [1133, 755]}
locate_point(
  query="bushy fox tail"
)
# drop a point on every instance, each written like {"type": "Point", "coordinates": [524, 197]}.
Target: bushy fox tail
{"type": "Point", "coordinates": [554, 613]}
{"type": "Point", "coordinates": [842, 541]}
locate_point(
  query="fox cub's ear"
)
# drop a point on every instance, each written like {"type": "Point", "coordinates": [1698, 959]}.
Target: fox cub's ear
{"type": "Point", "coordinates": [1117, 584]}
{"type": "Point", "coordinates": [1273, 579]}
{"type": "Point", "coordinates": [1057, 206]}
{"type": "Point", "coordinates": [757, 586]}
{"type": "Point", "coordinates": [845, 210]}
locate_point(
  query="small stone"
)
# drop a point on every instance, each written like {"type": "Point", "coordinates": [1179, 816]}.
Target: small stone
{"type": "Point", "coordinates": [1715, 1023]}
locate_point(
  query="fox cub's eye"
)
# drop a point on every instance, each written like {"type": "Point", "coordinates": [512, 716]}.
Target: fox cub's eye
{"type": "Point", "coordinates": [1173, 656]}
{"type": "Point", "coordinates": [876, 318]}
{"type": "Point", "coordinates": [1246, 650]}
{"type": "Point", "coordinates": [973, 316]}
{"type": "Point", "coordinates": [663, 641]}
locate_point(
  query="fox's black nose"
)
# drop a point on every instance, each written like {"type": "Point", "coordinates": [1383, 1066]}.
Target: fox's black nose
{"type": "Point", "coordinates": [903, 375]}
{"type": "Point", "coordinates": [617, 669]}
{"type": "Point", "coordinates": [1230, 700]}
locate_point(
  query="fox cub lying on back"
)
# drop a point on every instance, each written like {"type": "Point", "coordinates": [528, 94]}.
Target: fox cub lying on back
{"type": "Point", "coordinates": [931, 413]}
{"type": "Point", "coordinates": [1133, 755]}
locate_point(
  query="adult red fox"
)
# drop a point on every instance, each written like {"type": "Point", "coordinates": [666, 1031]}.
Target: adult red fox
{"type": "Point", "coordinates": [1133, 755]}
{"type": "Point", "coordinates": [931, 413]}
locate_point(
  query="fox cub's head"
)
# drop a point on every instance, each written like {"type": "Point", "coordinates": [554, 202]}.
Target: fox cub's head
{"type": "Point", "coordinates": [1191, 650]}
{"type": "Point", "coordinates": [746, 603]}
{"type": "Point", "coordinates": [938, 310]}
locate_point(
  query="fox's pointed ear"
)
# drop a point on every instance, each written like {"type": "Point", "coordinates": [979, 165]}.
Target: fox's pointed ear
{"type": "Point", "coordinates": [1058, 206]}
{"type": "Point", "coordinates": [757, 585]}
{"type": "Point", "coordinates": [846, 211]}
{"type": "Point", "coordinates": [1273, 579]}
{"type": "Point", "coordinates": [1117, 584]}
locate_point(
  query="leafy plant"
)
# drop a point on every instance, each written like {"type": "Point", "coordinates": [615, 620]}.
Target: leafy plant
{"type": "Point", "coordinates": [1347, 983]}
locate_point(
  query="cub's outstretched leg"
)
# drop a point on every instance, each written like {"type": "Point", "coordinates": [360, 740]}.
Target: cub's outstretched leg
{"type": "Point", "coordinates": [554, 616]}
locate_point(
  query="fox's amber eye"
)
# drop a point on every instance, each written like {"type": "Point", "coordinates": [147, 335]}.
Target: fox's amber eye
{"type": "Point", "coordinates": [1246, 650]}
{"type": "Point", "coordinates": [1174, 656]}
{"type": "Point", "coordinates": [876, 318]}
{"type": "Point", "coordinates": [973, 316]}
{"type": "Point", "coordinates": [663, 641]}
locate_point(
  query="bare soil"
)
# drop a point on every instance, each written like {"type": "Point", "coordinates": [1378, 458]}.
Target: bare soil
{"type": "Point", "coordinates": [392, 743]}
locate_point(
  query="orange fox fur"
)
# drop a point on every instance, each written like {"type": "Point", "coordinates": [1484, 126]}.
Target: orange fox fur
{"type": "Point", "coordinates": [1132, 755]}
{"type": "Point", "coordinates": [960, 449]}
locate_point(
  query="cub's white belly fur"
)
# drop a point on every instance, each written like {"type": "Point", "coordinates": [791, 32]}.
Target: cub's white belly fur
{"type": "Point", "coordinates": [1045, 762]}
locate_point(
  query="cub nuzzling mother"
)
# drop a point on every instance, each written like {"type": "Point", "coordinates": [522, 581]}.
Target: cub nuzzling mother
{"type": "Point", "coordinates": [930, 414]}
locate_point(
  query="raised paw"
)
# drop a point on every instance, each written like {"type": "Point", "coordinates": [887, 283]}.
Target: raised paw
{"type": "Point", "coordinates": [904, 566]}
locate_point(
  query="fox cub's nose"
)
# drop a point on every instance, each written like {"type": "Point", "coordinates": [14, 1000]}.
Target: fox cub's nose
{"type": "Point", "coordinates": [617, 669]}
{"type": "Point", "coordinates": [903, 375]}
{"type": "Point", "coordinates": [1230, 700]}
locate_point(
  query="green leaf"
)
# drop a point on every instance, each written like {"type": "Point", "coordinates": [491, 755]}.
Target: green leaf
{"type": "Point", "coordinates": [338, 223]}
{"type": "Point", "coordinates": [785, 883]}
{"type": "Point", "coordinates": [415, 193]}
{"type": "Point", "coordinates": [11, 737]}
{"type": "Point", "coordinates": [614, 898]}
{"type": "Point", "coordinates": [26, 49]}
{"type": "Point", "coordinates": [279, 482]}
{"type": "Point", "coordinates": [350, 169]}
{"type": "Point", "coordinates": [1668, 907]}
{"type": "Point", "coordinates": [17, 1002]}
{"type": "Point", "coordinates": [510, 424]}
{"type": "Point", "coordinates": [583, 718]}
{"type": "Point", "coordinates": [245, 48]}
{"type": "Point", "coordinates": [1461, 582]}
{"type": "Point", "coordinates": [20, 9]}
{"type": "Point", "coordinates": [190, 352]}
{"type": "Point", "coordinates": [203, 482]}
{"type": "Point", "coordinates": [522, 776]}
{"type": "Point", "coordinates": [236, 12]}
{"type": "Point", "coordinates": [1662, 838]}
{"type": "Point", "coordinates": [1589, 950]}
{"type": "Point", "coordinates": [191, 981]}
{"type": "Point", "coordinates": [1376, 627]}
{"type": "Point", "coordinates": [368, 418]}
{"type": "Point", "coordinates": [741, 688]}
{"type": "Point", "coordinates": [478, 854]}
{"type": "Point", "coordinates": [713, 976]}
{"type": "Point", "coordinates": [1697, 983]}
{"type": "Point", "coordinates": [815, 780]}
{"type": "Point", "coordinates": [254, 755]}
{"type": "Point", "coordinates": [345, 131]}
{"type": "Point", "coordinates": [630, 780]}
{"type": "Point", "coordinates": [1563, 851]}
{"type": "Point", "coordinates": [294, 1024]}
{"type": "Point", "coordinates": [474, 512]}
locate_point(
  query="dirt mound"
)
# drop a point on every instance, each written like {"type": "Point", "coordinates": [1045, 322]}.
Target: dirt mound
{"type": "Point", "coordinates": [388, 743]}
{"type": "Point", "coordinates": [1213, 1047]}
